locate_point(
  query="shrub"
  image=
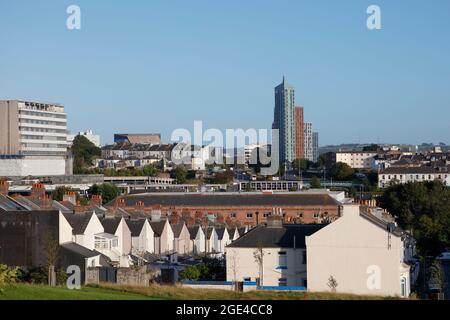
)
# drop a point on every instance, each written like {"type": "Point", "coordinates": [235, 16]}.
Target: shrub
{"type": "Point", "coordinates": [8, 275]}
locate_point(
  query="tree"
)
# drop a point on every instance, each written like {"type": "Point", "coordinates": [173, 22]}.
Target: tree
{"type": "Point", "coordinates": [315, 183]}
{"type": "Point", "coordinates": [179, 173]}
{"type": "Point", "coordinates": [84, 152]}
{"type": "Point", "coordinates": [258, 255]}
{"type": "Point", "coordinates": [341, 171]}
{"type": "Point", "coordinates": [208, 269]}
{"type": "Point", "coordinates": [51, 247]}
{"type": "Point", "coordinates": [149, 170]}
{"type": "Point", "coordinates": [437, 278]}
{"type": "Point", "coordinates": [301, 164]}
{"type": "Point", "coordinates": [190, 273]}
{"type": "Point", "coordinates": [424, 208]}
{"type": "Point", "coordinates": [59, 192]}
{"type": "Point", "coordinates": [372, 147]}
{"type": "Point", "coordinates": [108, 191]}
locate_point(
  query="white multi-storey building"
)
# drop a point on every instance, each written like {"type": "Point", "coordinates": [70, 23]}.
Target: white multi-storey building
{"type": "Point", "coordinates": [309, 141]}
{"type": "Point", "coordinates": [88, 134]}
{"type": "Point", "coordinates": [33, 138]}
{"type": "Point", "coordinates": [394, 175]}
{"type": "Point", "coordinates": [356, 159]}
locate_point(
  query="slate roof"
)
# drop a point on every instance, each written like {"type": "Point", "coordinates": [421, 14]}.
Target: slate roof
{"type": "Point", "coordinates": [135, 226]}
{"type": "Point", "coordinates": [10, 204]}
{"type": "Point", "coordinates": [414, 170]}
{"type": "Point", "coordinates": [276, 237]}
{"type": "Point", "coordinates": [220, 232]}
{"type": "Point", "coordinates": [78, 221]}
{"type": "Point", "coordinates": [177, 228]}
{"type": "Point", "coordinates": [231, 232]}
{"type": "Point", "coordinates": [382, 223]}
{"type": "Point", "coordinates": [158, 227]}
{"type": "Point", "coordinates": [80, 250]}
{"type": "Point", "coordinates": [208, 232]}
{"type": "Point", "coordinates": [227, 199]}
{"type": "Point", "coordinates": [193, 231]}
{"type": "Point", "coordinates": [110, 225]}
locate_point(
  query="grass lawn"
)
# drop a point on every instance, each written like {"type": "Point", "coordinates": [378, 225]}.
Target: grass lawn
{"type": "Point", "coordinates": [41, 292]}
{"type": "Point", "coordinates": [156, 292]}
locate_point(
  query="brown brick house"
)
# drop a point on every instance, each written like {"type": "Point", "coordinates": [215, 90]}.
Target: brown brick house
{"type": "Point", "coordinates": [241, 208]}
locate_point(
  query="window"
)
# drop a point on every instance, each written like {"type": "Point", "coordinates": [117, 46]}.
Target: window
{"type": "Point", "coordinates": [300, 215]}
{"type": "Point", "coordinates": [282, 282]}
{"type": "Point", "coordinates": [233, 215]}
{"type": "Point", "coordinates": [247, 279]}
{"type": "Point", "coordinates": [282, 260]}
{"type": "Point", "coordinates": [249, 215]}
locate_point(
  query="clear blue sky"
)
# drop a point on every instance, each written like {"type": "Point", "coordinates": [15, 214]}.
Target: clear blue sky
{"type": "Point", "coordinates": [154, 66]}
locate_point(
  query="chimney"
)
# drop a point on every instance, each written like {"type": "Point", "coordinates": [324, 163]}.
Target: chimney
{"type": "Point", "coordinates": [46, 202]}
{"type": "Point", "coordinates": [155, 215]}
{"type": "Point", "coordinates": [120, 202]}
{"type": "Point", "coordinates": [274, 221]}
{"type": "Point", "coordinates": [190, 221]}
{"type": "Point", "coordinates": [38, 191]}
{"type": "Point", "coordinates": [139, 206]}
{"type": "Point", "coordinates": [4, 187]}
{"type": "Point", "coordinates": [96, 200]}
{"type": "Point", "coordinates": [174, 219]}
{"type": "Point", "coordinates": [70, 196]}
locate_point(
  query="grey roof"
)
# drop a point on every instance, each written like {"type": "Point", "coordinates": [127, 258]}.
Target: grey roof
{"type": "Point", "coordinates": [158, 227]}
{"type": "Point", "coordinates": [9, 204]}
{"type": "Point", "coordinates": [177, 228]}
{"type": "Point", "coordinates": [390, 226]}
{"type": "Point", "coordinates": [276, 237]}
{"type": "Point", "coordinates": [231, 232]}
{"type": "Point", "coordinates": [220, 232]}
{"type": "Point", "coordinates": [135, 226]}
{"type": "Point", "coordinates": [208, 232]}
{"type": "Point", "coordinates": [26, 202]}
{"type": "Point", "coordinates": [414, 170]}
{"type": "Point", "coordinates": [80, 250]}
{"type": "Point", "coordinates": [78, 221]}
{"type": "Point", "coordinates": [110, 224]}
{"type": "Point", "coordinates": [227, 199]}
{"type": "Point", "coordinates": [59, 206]}
{"type": "Point", "coordinates": [193, 231]}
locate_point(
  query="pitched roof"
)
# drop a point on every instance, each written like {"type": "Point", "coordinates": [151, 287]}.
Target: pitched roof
{"type": "Point", "coordinates": [135, 226]}
{"type": "Point", "coordinates": [276, 237]}
{"type": "Point", "coordinates": [193, 231]}
{"type": "Point", "coordinates": [414, 170]}
{"type": "Point", "coordinates": [110, 224]}
{"type": "Point", "coordinates": [80, 250]}
{"type": "Point", "coordinates": [390, 226]}
{"type": "Point", "coordinates": [177, 228]}
{"type": "Point", "coordinates": [231, 232]}
{"type": "Point", "coordinates": [208, 232]}
{"type": "Point", "coordinates": [78, 221]}
{"type": "Point", "coordinates": [10, 204]}
{"type": "Point", "coordinates": [228, 199]}
{"type": "Point", "coordinates": [158, 227]}
{"type": "Point", "coordinates": [220, 232]}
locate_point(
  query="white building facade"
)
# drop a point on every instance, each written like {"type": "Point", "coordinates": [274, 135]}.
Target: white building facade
{"type": "Point", "coordinates": [363, 254]}
{"type": "Point", "coordinates": [33, 138]}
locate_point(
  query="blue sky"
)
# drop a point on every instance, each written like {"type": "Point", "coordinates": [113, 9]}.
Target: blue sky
{"type": "Point", "coordinates": [154, 66]}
